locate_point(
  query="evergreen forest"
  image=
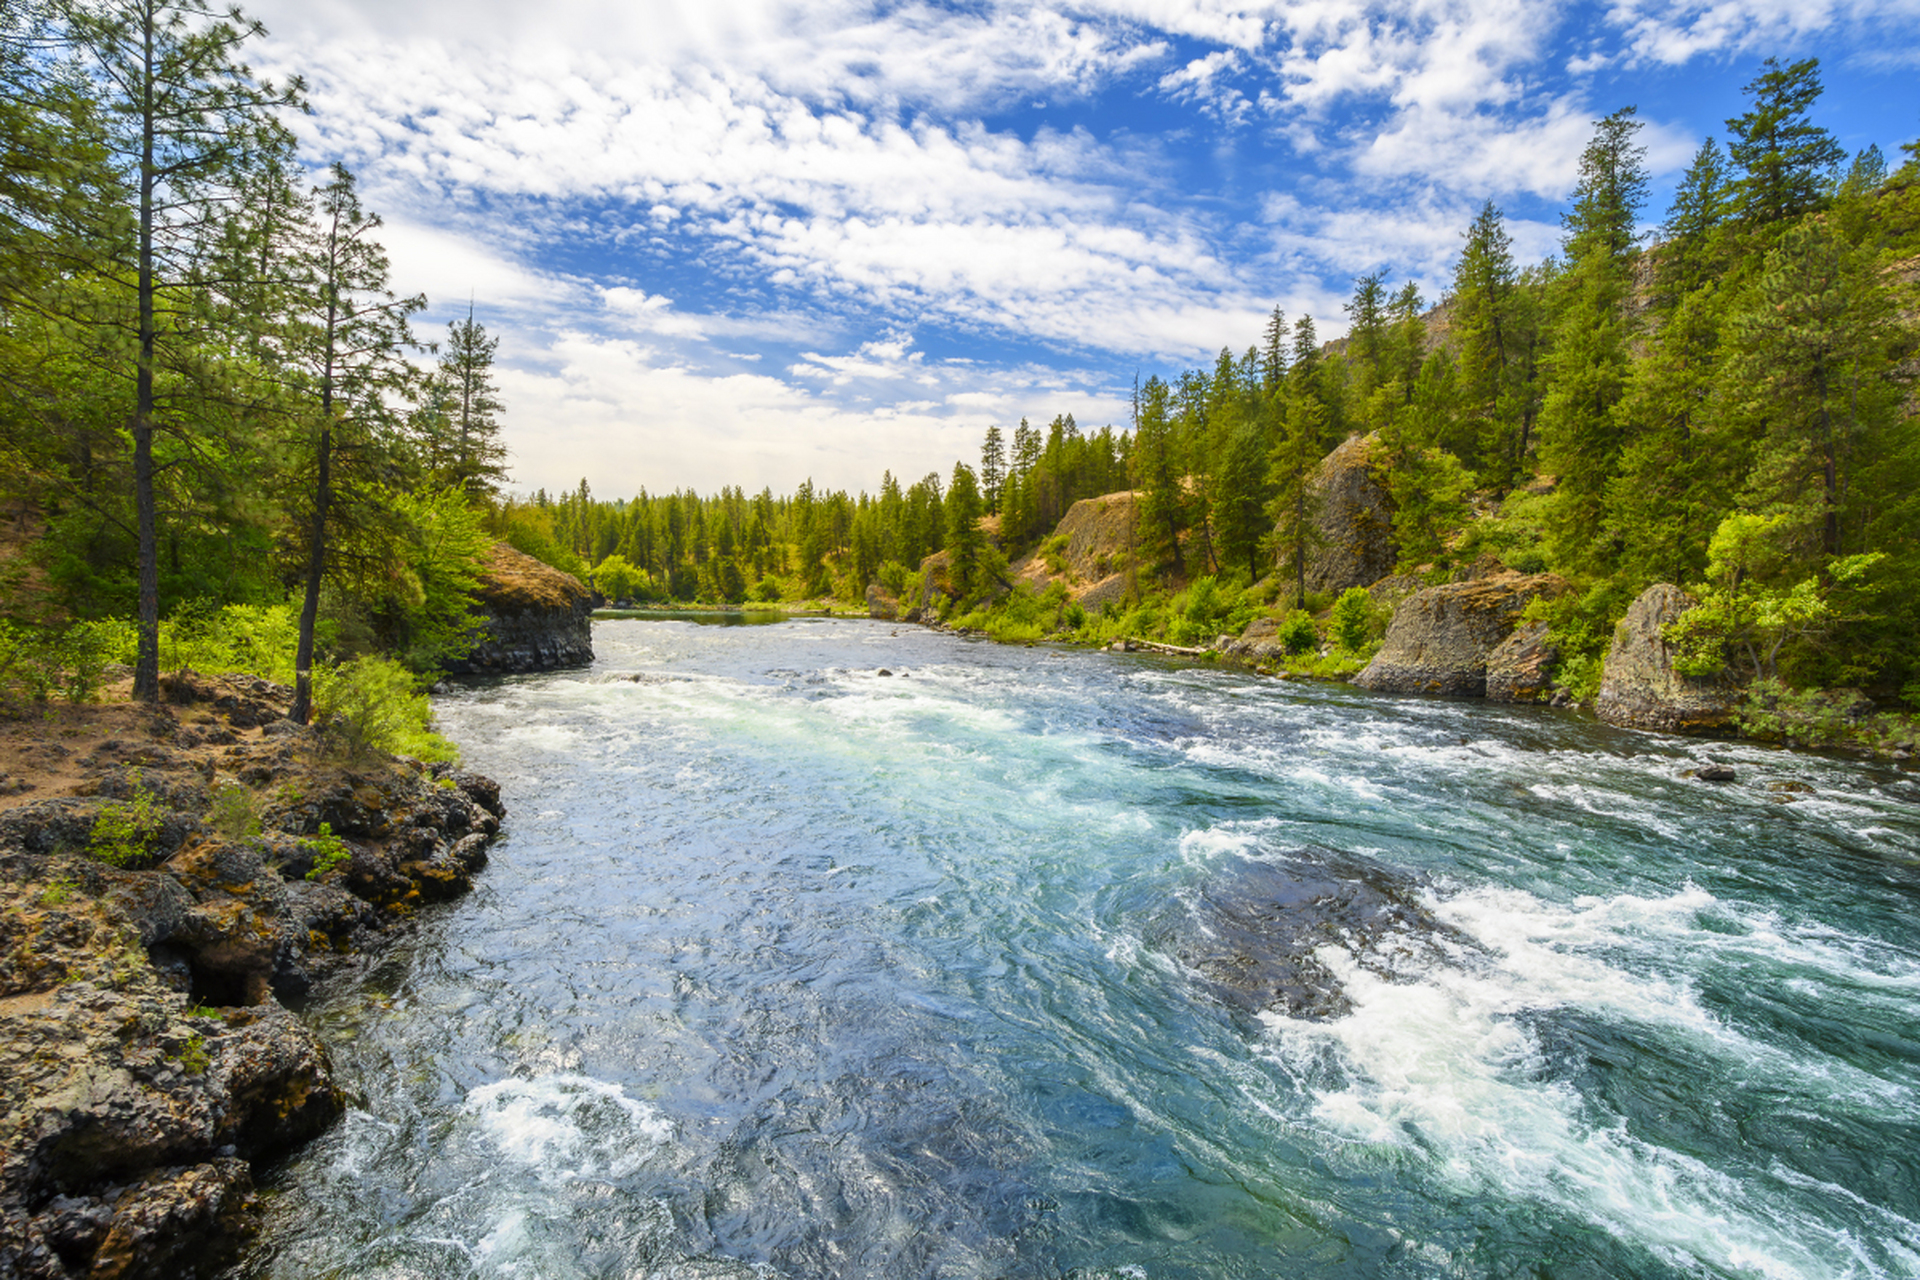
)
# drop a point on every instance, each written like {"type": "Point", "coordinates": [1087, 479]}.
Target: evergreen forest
{"type": "Point", "coordinates": [218, 422]}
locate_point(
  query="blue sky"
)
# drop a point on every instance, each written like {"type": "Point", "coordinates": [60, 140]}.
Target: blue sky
{"type": "Point", "coordinates": [750, 241]}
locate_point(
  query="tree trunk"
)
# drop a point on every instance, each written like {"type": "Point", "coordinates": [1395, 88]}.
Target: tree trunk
{"type": "Point", "coordinates": [146, 663]}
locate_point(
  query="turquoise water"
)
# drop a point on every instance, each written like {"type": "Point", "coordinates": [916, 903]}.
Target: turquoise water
{"type": "Point", "coordinates": [787, 967]}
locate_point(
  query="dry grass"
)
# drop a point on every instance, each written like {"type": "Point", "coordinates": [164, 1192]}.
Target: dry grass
{"type": "Point", "coordinates": [514, 582]}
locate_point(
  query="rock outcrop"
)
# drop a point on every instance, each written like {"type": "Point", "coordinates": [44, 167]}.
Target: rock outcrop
{"type": "Point", "coordinates": [1521, 668]}
{"type": "Point", "coordinates": [1640, 689]}
{"type": "Point", "coordinates": [1353, 519]}
{"type": "Point", "coordinates": [1441, 638]}
{"type": "Point", "coordinates": [198, 863]}
{"type": "Point", "coordinates": [536, 618]}
{"type": "Point", "coordinates": [1088, 552]}
{"type": "Point", "coordinates": [881, 604]}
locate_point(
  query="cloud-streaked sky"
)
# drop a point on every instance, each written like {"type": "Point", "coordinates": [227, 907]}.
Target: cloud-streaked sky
{"type": "Point", "coordinates": [752, 241]}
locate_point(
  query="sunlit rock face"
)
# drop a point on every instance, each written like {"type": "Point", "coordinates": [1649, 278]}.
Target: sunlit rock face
{"type": "Point", "coordinates": [1641, 690]}
{"type": "Point", "coordinates": [536, 618]}
{"type": "Point", "coordinates": [1442, 638]}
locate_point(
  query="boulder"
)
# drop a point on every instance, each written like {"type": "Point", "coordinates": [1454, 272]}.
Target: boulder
{"type": "Point", "coordinates": [1639, 688]}
{"type": "Point", "coordinates": [1440, 640]}
{"type": "Point", "coordinates": [535, 618]}
{"type": "Point", "coordinates": [1520, 669]}
{"type": "Point", "coordinates": [881, 604]}
{"type": "Point", "coordinates": [1353, 520]}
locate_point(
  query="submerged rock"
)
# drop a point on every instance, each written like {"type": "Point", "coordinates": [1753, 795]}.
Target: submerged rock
{"type": "Point", "coordinates": [1442, 639]}
{"type": "Point", "coordinates": [1253, 932]}
{"type": "Point", "coordinates": [1639, 688]}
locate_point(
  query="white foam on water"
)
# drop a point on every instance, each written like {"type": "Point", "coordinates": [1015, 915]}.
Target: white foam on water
{"type": "Point", "coordinates": [1201, 846]}
{"type": "Point", "coordinates": [568, 1126]}
{"type": "Point", "coordinates": [1446, 1071]}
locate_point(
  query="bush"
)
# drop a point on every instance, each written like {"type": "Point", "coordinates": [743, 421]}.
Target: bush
{"type": "Point", "coordinates": [1351, 625]}
{"type": "Point", "coordinates": [37, 662]}
{"type": "Point", "coordinates": [235, 813]}
{"type": "Point", "coordinates": [373, 704]}
{"type": "Point", "coordinates": [327, 850]}
{"type": "Point", "coordinates": [1297, 634]}
{"type": "Point", "coordinates": [124, 831]}
{"type": "Point", "coordinates": [255, 638]}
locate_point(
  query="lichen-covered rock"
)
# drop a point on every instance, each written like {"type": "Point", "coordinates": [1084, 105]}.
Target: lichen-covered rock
{"type": "Point", "coordinates": [1091, 545]}
{"type": "Point", "coordinates": [1520, 669]}
{"type": "Point", "coordinates": [145, 1062]}
{"type": "Point", "coordinates": [536, 618]}
{"type": "Point", "coordinates": [881, 603]}
{"type": "Point", "coordinates": [1441, 638]}
{"type": "Point", "coordinates": [1353, 542]}
{"type": "Point", "coordinates": [1639, 688]}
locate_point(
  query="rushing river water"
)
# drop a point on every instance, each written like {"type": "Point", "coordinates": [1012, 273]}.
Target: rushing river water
{"type": "Point", "coordinates": [787, 967]}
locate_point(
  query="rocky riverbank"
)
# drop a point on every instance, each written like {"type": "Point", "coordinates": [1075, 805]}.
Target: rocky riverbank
{"type": "Point", "coordinates": [172, 879]}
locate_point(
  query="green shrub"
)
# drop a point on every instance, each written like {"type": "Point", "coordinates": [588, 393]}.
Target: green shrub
{"type": "Point", "coordinates": [235, 813]}
{"type": "Point", "coordinates": [1297, 634]}
{"type": "Point", "coordinates": [1351, 625]}
{"type": "Point", "coordinates": [124, 831]}
{"type": "Point", "coordinates": [374, 704]}
{"type": "Point", "coordinates": [327, 850]}
{"type": "Point", "coordinates": [1075, 616]}
{"type": "Point", "coordinates": [38, 662]}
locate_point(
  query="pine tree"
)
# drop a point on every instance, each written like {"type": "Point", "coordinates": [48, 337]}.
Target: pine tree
{"type": "Point", "coordinates": [1784, 157]}
{"type": "Point", "coordinates": [183, 120]}
{"type": "Point", "coordinates": [353, 343]}
{"type": "Point", "coordinates": [1289, 472]}
{"type": "Point", "coordinates": [467, 449]}
{"type": "Point", "coordinates": [993, 469]}
{"type": "Point", "coordinates": [1273, 352]}
{"type": "Point", "coordinates": [964, 539]}
{"type": "Point", "coordinates": [1157, 475]}
{"type": "Point", "coordinates": [1485, 289]}
{"type": "Point", "coordinates": [1367, 335]}
{"type": "Point", "coordinates": [1700, 207]}
{"type": "Point", "coordinates": [1579, 436]}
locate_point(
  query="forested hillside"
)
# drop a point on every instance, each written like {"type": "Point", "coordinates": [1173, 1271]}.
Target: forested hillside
{"type": "Point", "coordinates": [1726, 404]}
{"type": "Point", "coordinates": [215, 410]}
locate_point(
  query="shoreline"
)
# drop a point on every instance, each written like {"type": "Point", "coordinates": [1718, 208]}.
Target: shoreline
{"type": "Point", "coordinates": [176, 884]}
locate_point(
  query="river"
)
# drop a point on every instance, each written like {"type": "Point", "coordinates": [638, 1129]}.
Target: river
{"type": "Point", "coordinates": [789, 967]}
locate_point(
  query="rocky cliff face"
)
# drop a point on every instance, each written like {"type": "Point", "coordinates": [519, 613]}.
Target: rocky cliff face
{"type": "Point", "coordinates": [1099, 535]}
{"type": "Point", "coordinates": [1353, 521]}
{"type": "Point", "coordinates": [1441, 638]}
{"type": "Point", "coordinates": [536, 618]}
{"type": "Point", "coordinates": [1639, 687]}
{"type": "Point", "coordinates": [146, 1063]}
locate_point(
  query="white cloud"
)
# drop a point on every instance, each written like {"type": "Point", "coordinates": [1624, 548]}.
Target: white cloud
{"type": "Point", "coordinates": [616, 411]}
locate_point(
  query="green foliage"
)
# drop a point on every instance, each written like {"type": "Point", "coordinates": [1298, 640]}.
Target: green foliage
{"type": "Point", "coordinates": [193, 1058]}
{"type": "Point", "coordinates": [59, 892]}
{"type": "Point", "coordinates": [124, 831]}
{"type": "Point", "coordinates": [1753, 605]}
{"type": "Point", "coordinates": [256, 639]}
{"type": "Point", "coordinates": [374, 704]}
{"type": "Point", "coordinates": [1352, 624]}
{"type": "Point", "coordinates": [235, 813]}
{"type": "Point", "coordinates": [614, 578]}
{"type": "Point", "coordinates": [1297, 633]}
{"type": "Point", "coordinates": [327, 851]}
{"type": "Point", "coordinates": [39, 662]}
